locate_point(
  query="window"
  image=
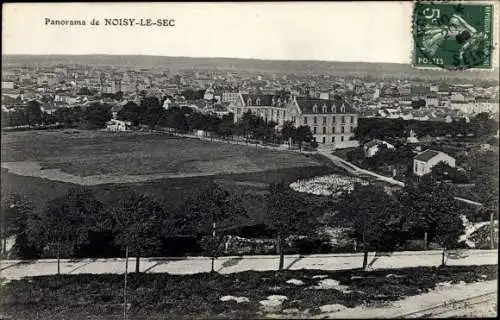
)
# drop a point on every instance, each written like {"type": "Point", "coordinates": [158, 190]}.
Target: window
{"type": "Point", "coordinates": [342, 129]}
{"type": "Point", "coordinates": [305, 120]}
{"type": "Point", "coordinates": [294, 119]}
{"type": "Point", "coordinates": [324, 130]}
{"type": "Point", "coordinates": [284, 113]}
{"type": "Point", "coordinates": [333, 119]}
{"type": "Point", "coordinates": [333, 129]}
{"type": "Point", "coordinates": [324, 110]}
{"type": "Point", "coordinates": [343, 119]}
{"type": "Point", "coordinates": [341, 138]}
{"type": "Point", "coordinates": [324, 120]}
{"type": "Point", "coordinates": [324, 140]}
{"type": "Point", "coordinates": [416, 167]}
{"type": "Point", "coordinates": [314, 130]}
{"type": "Point", "coordinates": [334, 109]}
{"type": "Point", "coordinates": [315, 108]}
{"type": "Point", "coordinates": [333, 139]}
{"type": "Point", "coordinates": [352, 119]}
{"type": "Point", "coordinates": [315, 120]}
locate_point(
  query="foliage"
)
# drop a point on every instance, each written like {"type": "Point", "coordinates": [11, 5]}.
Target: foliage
{"type": "Point", "coordinates": [210, 204]}
{"type": "Point", "coordinates": [374, 217]}
{"type": "Point", "coordinates": [161, 295]}
{"type": "Point", "coordinates": [255, 127]}
{"type": "Point", "coordinates": [33, 112]}
{"type": "Point", "coordinates": [303, 134]}
{"type": "Point", "coordinates": [130, 112]}
{"type": "Point", "coordinates": [15, 213]}
{"type": "Point", "coordinates": [289, 214]}
{"type": "Point", "coordinates": [380, 128]}
{"type": "Point", "coordinates": [65, 223]}
{"type": "Point", "coordinates": [430, 207]}
{"type": "Point", "coordinates": [443, 172]}
{"type": "Point", "coordinates": [96, 115]}
{"type": "Point", "coordinates": [139, 223]}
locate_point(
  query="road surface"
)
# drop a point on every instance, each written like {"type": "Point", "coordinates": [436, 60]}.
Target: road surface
{"type": "Point", "coordinates": [12, 269]}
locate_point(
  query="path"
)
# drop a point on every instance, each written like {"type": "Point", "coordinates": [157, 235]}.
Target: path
{"type": "Point", "coordinates": [442, 301]}
{"type": "Point", "coordinates": [351, 168]}
{"type": "Point", "coordinates": [12, 269]}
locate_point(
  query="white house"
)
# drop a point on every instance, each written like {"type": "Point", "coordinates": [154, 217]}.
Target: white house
{"type": "Point", "coordinates": [117, 125]}
{"type": "Point", "coordinates": [425, 161]}
{"type": "Point", "coordinates": [372, 147]}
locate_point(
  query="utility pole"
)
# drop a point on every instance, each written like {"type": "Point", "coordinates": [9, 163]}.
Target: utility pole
{"type": "Point", "coordinates": [492, 228]}
{"type": "Point", "coordinates": [214, 248]}
{"type": "Point", "coordinates": [125, 286]}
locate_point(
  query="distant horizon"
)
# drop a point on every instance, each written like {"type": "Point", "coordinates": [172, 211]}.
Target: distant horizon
{"type": "Point", "coordinates": [200, 57]}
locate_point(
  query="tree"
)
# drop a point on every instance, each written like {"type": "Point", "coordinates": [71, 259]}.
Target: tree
{"type": "Point", "coordinates": [138, 222]}
{"type": "Point", "coordinates": [373, 216]}
{"type": "Point", "coordinates": [188, 94]}
{"type": "Point", "coordinates": [226, 126]}
{"type": "Point", "coordinates": [432, 212]}
{"type": "Point", "coordinates": [303, 134]}
{"type": "Point", "coordinates": [33, 112]}
{"type": "Point", "coordinates": [443, 171]}
{"type": "Point", "coordinates": [288, 214]}
{"type": "Point", "coordinates": [130, 112]}
{"type": "Point", "coordinates": [66, 222]}
{"type": "Point", "coordinates": [288, 131]}
{"type": "Point", "coordinates": [151, 111]}
{"type": "Point", "coordinates": [65, 116]}
{"type": "Point", "coordinates": [209, 210]}
{"type": "Point", "coordinates": [96, 115]}
{"type": "Point", "coordinates": [84, 91]}
{"type": "Point", "coordinates": [482, 125]}
{"type": "Point", "coordinates": [14, 215]}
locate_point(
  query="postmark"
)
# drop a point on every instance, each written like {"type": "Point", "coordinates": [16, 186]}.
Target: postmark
{"type": "Point", "coordinates": [453, 35]}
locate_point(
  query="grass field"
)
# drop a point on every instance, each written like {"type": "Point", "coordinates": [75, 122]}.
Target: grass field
{"type": "Point", "coordinates": [242, 170]}
{"type": "Point", "coordinates": [164, 296]}
{"type": "Point", "coordinates": [95, 153]}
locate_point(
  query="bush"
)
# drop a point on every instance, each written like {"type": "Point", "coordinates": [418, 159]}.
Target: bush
{"type": "Point", "coordinates": [156, 296]}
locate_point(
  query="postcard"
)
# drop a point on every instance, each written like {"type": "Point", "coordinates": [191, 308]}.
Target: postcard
{"type": "Point", "coordinates": [249, 160]}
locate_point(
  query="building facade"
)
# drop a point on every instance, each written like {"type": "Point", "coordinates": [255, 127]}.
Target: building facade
{"type": "Point", "coordinates": [332, 122]}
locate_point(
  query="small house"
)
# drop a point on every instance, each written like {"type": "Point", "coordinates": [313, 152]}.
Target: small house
{"type": "Point", "coordinates": [425, 161]}
{"type": "Point", "coordinates": [372, 147]}
{"type": "Point", "coordinates": [118, 125]}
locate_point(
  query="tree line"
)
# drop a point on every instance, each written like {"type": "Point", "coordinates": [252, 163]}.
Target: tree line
{"type": "Point", "coordinates": [480, 125]}
{"type": "Point", "coordinates": [150, 113]}
{"type": "Point", "coordinates": [93, 116]}
{"type": "Point", "coordinates": [380, 220]}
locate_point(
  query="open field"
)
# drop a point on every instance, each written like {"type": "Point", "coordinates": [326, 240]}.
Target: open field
{"type": "Point", "coordinates": [251, 294]}
{"type": "Point", "coordinates": [166, 168]}
{"type": "Point", "coordinates": [97, 157]}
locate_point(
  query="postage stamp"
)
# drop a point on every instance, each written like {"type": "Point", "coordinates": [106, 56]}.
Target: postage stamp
{"type": "Point", "coordinates": [453, 35]}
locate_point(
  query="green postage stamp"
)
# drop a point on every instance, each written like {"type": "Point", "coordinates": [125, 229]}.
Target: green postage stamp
{"type": "Point", "coordinates": [453, 35]}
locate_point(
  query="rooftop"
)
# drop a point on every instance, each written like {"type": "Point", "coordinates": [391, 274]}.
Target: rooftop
{"type": "Point", "coordinates": [426, 155]}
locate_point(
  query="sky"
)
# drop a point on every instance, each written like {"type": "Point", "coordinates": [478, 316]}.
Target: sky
{"type": "Point", "coordinates": [332, 31]}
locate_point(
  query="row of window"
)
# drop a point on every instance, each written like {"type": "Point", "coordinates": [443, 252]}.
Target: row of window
{"type": "Point", "coordinates": [324, 109]}
{"type": "Point", "coordinates": [273, 112]}
{"type": "Point", "coordinates": [343, 119]}
{"type": "Point", "coordinates": [342, 139]}
{"type": "Point", "coordinates": [342, 130]}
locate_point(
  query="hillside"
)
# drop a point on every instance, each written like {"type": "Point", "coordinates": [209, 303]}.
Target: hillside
{"type": "Point", "coordinates": [253, 65]}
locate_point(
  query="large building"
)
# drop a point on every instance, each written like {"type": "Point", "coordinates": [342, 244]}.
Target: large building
{"type": "Point", "coordinates": [332, 122]}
